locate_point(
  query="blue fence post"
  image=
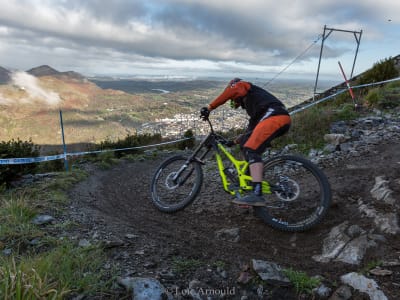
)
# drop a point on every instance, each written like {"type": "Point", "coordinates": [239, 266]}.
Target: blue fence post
{"type": "Point", "coordinates": [63, 141]}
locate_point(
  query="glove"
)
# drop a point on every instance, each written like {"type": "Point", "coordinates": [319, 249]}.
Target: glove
{"type": "Point", "coordinates": [204, 113]}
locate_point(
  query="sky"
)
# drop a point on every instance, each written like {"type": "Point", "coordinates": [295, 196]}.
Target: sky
{"type": "Point", "coordinates": [178, 38]}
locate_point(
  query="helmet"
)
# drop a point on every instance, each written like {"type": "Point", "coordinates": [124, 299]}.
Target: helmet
{"type": "Point", "coordinates": [234, 81]}
{"type": "Point", "coordinates": [235, 103]}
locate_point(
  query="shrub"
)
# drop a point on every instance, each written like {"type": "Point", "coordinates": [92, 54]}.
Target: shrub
{"type": "Point", "coordinates": [383, 70]}
{"type": "Point", "coordinates": [130, 141]}
{"type": "Point", "coordinates": [373, 97]}
{"type": "Point", "coordinates": [383, 98]}
{"type": "Point", "coordinates": [16, 149]}
{"type": "Point", "coordinates": [187, 143]}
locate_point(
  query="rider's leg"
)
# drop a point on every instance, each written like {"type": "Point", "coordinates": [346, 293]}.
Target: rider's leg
{"type": "Point", "coordinates": [261, 137]}
{"type": "Point", "coordinates": [256, 171]}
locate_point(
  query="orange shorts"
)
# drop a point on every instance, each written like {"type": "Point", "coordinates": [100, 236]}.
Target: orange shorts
{"type": "Point", "coordinates": [266, 131]}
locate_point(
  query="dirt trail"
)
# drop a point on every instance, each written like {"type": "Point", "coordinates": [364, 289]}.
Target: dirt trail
{"type": "Point", "coordinates": [116, 202]}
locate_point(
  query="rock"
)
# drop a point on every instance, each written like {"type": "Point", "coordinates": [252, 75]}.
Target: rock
{"type": "Point", "coordinates": [333, 243]}
{"type": "Point", "coordinates": [381, 191]}
{"type": "Point", "coordinates": [231, 235]}
{"type": "Point", "coordinates": [269, 271]}
{"type": "Point", "coordinates": [42, 220]}
{"type": "Point", "coordinates": [115, 243]}
{"type": "Point", "coordinates": [131, 236]}
{"type": "Point", "coordinates": [195, 287]}
{"type": "Point", "coordinates": [354, 251]}
{"type": "Point", "coordinates": [341, 293]}
{"type": "Point", "coordinates": [354, 231]}
{"type": "Point", "coordinates": [344, 243]}
{"type": "Point", "coordinates": [391, 263]}
{"type": "Point", "coordinates": [364, 285]}
{"type": "Point", "coordinates": [380, 272]}
{"type": "Point", "coordinates": [7, 252]}
{"type": "Point", "coordinates": [84, 243]}
{"type": "Point", "coordinates": [245, 275]}
{"type": "Point", "coordinates": [323, 291]}
{"type": "Point", "coordinates": [334, 138]}
{"type": "Point", "coordinates": [386, 223]}
{"type": "Point", "coordinates": [222, 273]}
{"type": "Point", "coordinates": [145, 288]}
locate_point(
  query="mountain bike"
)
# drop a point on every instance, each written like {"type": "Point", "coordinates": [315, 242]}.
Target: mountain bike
{"type": "Point", "coordinates": [297, 192]}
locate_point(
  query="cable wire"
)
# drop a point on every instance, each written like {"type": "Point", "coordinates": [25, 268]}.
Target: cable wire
{"type": "Point", "coordinates": [294, 60]}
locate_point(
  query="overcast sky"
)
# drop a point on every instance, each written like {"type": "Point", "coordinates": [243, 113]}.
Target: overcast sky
{"type": "Point", "coordinates": [258, 38]}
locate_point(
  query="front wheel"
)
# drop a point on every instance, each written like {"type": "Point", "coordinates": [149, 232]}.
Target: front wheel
{"type": "Point", "coordinates": [176, 183]}
{"type": "Point", "coordinates": [300, 194]}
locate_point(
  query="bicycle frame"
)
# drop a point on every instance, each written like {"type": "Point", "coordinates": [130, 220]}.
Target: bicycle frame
{"type": "Point", "coordinates": [234, 184]}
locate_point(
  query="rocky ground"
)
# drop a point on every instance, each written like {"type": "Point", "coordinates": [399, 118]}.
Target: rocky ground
{"type": "Point", "coordinates": [215, 248]}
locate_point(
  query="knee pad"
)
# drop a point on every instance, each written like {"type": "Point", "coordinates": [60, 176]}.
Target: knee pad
{"type": "Point", "coordinates": [252, 156]}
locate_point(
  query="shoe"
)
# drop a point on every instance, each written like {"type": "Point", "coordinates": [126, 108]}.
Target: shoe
{"type": "Point", "coordinates": [251, 199]}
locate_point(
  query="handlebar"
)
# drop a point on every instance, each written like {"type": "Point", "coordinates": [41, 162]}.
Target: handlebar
{"type": "Point", "coordinates": [204, 115]}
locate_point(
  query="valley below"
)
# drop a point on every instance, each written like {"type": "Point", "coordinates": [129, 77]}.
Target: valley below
{"type": "Point", "coordinates": [98, 109]}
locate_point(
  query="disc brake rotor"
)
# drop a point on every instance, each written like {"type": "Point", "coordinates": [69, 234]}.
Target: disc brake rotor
{"type": "Point", "coordinates": [170, 183]}
{"type": "Point", "coordinates": [289, 190]}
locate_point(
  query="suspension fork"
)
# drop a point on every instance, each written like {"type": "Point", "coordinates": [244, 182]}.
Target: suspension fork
{"type": "Point", "coordinates": [193, 158]}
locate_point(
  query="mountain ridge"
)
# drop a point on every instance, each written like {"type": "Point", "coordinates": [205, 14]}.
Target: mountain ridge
{"type": "Point", "coordinates": [4, 75]}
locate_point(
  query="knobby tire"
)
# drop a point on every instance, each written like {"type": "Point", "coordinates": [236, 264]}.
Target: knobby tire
{"type": "Point", "coordinates": [170, 195]}
{"type": "Point", "coordinates": [287, 212]}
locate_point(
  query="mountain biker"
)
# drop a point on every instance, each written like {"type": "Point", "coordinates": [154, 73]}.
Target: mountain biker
{"type": "Point", "coordinates": [268, 120]}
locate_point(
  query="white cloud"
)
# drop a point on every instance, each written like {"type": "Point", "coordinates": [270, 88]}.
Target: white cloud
{"type": "Point", "coordinates": [88, 35]}
{"type": "Point", "coordinates": [30, 85]}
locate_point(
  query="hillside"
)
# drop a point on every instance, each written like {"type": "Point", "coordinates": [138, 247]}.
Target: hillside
{"type": "Point", "coordinates": [102, 108]}
{"type": "Point", "coordinates": [91, 114]}
{"type": "Point", "coordinates": [4, 75]}
{"type": "Point", "coordinates": [211, 244]}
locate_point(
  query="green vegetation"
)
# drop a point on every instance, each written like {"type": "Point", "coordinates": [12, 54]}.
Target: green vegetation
{"type": "Point", "coordinates": [386, 97]}
{"type": "Point", "coordinates": [310, 126]}
{"type": "Point", "coordinates": [180, 265]}
{"type": "Point", "coordinates": [38, 265]}
{"type": "Point", "coordinates": [380, 71]}
{"type": "Point", "coordinates": [303, 284]}
{"type": "Point", "coordinates": [53, 274]}
{"type": "Point", "coordinates": [16, 149]}
{"type": "Point", "coordinates": [370, 265]}
{"type": "Point", "coordinates": [130, 141]}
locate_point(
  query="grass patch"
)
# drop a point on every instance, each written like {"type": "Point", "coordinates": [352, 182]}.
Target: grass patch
{"type": "Point", "coordinates": [42, 266]}
{"type": "Point", "coordinates": [52, 275]}
{"type": "Point", "coordinates": [180, 265]}
{"type": "Point", "coordinates": [303, 284]}
{"type": "Point", "coordinates": [16, 228]}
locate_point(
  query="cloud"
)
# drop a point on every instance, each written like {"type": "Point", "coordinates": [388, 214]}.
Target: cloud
{"type": "Point", "coordinates": [264, 32]}
{"type": "Point", "coordinates": [30, 85]}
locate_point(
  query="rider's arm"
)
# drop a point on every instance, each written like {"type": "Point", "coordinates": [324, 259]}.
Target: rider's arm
{"type": "Point", "coordinates": [238, 89]}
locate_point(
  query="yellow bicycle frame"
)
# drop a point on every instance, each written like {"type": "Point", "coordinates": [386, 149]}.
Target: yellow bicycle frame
{"type": "Point", "coordinates": [241, 167]}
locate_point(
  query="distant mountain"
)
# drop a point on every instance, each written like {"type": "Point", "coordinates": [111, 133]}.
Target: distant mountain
{"type": "Point", "coordinates": [46, 70]}
{"type": "Point", "coordinates": [43, 71]}
{"type": "Point", "coordinates": [4, 75]}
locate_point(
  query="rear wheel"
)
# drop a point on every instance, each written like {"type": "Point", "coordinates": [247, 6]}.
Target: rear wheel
{"type": "Point", "coordinates": [300, 196]}
{"type": "Point", "coordinates": [176, 184]}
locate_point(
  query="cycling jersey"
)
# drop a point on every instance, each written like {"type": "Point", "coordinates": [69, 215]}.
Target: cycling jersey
{"type": "Point", "coordinates": [258, 103]}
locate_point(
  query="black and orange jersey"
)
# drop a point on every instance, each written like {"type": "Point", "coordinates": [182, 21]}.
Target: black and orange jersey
{"type": "Point", "coordinates": [256, 101]}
